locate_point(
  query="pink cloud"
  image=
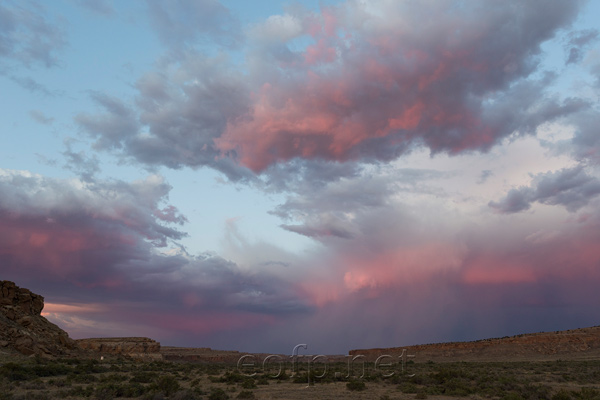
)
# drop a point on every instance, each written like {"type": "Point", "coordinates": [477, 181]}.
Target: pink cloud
{"type": "Point", "coordinates": [392, 84]}
{"type": "Point", "coordinates": [328, 116]}
{"type": "Point", "coordinates": [319, 53]}
{"type": "Point", "coordinates": [505, 274]}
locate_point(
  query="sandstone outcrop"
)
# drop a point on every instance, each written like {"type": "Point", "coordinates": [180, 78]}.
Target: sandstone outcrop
{"type": "Point", "coordinates": [135, 347]}
{"type": "Point", "coordinates": [22, 327]}
{"type": "Point", "coordinates": [572, 344]}
{"type": "Point", "coordinates": [199, 355]}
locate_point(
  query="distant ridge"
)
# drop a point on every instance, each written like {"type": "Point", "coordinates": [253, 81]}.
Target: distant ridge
{"type": "Point", "coordinates": [573, 344]}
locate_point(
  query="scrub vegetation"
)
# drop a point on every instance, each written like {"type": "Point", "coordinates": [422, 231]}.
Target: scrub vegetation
{"type": "Point", "coordinates": [40, 379]}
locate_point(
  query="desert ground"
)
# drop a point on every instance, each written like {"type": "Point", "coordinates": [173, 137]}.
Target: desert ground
{"type": "Point", "coordinates": [119, 377]}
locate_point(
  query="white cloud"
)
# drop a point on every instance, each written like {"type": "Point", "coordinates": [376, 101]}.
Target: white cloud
{"type": "Point", "coordinates": [277, 28]}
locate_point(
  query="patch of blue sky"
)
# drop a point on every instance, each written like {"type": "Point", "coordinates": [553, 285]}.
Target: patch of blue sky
{"type": "Point", "coordinates": [209, 204]}
{"type": "Point", "coordinates": [571, 79]}
{"type": "Point", "coordinates": [103, 54]}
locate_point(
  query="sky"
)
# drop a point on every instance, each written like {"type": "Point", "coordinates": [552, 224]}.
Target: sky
{"type": "Point", "coordinates": [343, 174]}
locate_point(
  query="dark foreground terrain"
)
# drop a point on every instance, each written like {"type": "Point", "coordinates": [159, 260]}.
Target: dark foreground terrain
{"type": "Point", "coordinates": [39, 378]}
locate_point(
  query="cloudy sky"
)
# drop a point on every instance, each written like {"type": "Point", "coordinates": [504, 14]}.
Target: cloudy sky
{"type": "Point", "coordinates": [345, 174]}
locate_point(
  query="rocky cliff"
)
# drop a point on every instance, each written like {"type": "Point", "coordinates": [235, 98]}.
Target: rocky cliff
{"type": "Point", "coordinates": [571, 344]}
{"type": "Point", "coordinates": [23, 329]}
{"type": "Point", "coordinates": [135, 347]}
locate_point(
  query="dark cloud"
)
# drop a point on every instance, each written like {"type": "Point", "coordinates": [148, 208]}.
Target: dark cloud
{"type": "Point", "coordinates": [485, 175]}
{"type": "Point", "coordinates": [178, 115]}
{"type": "Point", "coordinates": [578, 42]}
{"type": "Point", "coordinates": [585, 145]}
{"type": "Point", "coordinates": [100, 240]}
{"type": "Point", "coordinates": [344, 195]}
{"type": "Point", "coordinates": [84, 166]}
{"type": "Point", "coordinates": [42, 159]}
{"type": "Point", "coordinates": [339, 205]}
{"type": "Point", "coordinates": [34, 86]}
{"type": "Point", "coordinates": [516, 200]}
{"type": "Point", "coordinates": [181, 24]}
{"type": "Point", "coordinates": [117, 124]}
{"type": "Point", "coordinates": [27, 36]}
{"type": "Point", "coordinates": [324, 225]}
{"type": "Point", "coordinates": [525, 106]}
{"type": "Point", "coordinates": [306, 175]}
{"type": "Point", "coordinates": [495, 278]}
{"type": "Point", "coordinates": [100, 7]}
{"type": "Point", "coordinates": [40, 117]}
{"type": "Point", "coordinates": [209, 282]}
{"type": "Point", "coordinates": [133, 208]}
{"type": "Point", "coordinates": [185, 110]}
{"type": "Point", "coordinates": [572, 188]}
{"type": "Point", "coordinates": [453, 273]}
{"type": "Point", "coordinates": [595, 70]}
